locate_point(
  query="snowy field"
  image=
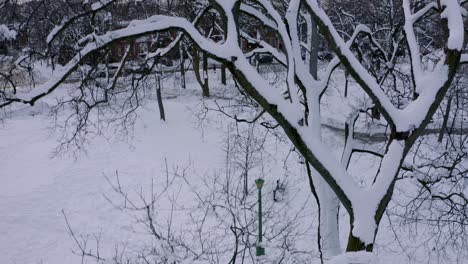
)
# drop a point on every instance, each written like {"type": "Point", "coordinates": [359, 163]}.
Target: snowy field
{"type": "Point", "coordinates": [37, 186]}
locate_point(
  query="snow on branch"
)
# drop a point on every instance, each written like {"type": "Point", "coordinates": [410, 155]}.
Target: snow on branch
{"type": "Point", "coordinates": [361, 29]}
{"type": "Point", "coordinates": [135, 29]}
{"type": "Point", "coordinates": [413, 46]}
{"type": "Point", "coordinates": [307, 81]}
{"type": "Point", "coordinates": [464, 58]}
{"type": "Point", "coordinates": [160, 52]}
{"type": "Point", "coordinates": [250, 10]}
{"type": "Point", "coordinates": [96, 7]}
{"type": "Point", "coordinates": [100, 4]}
{"type": "Point", "coordinates": [285, 37]}
{"type": "Point", "coordinates": [428, 84]}
{"type": "Point", "coordinates": [264, 48]}
{"type": "Point", "coordinates": [451, 11]}
{"type": "Point", "coordinates": [163, 51]}
{"type": "Point", "coordinates": [423, 11]}
{"type": "Point", "coordinates": [115, 77]}
{"type": "Point", "coordinates": [6, 33]}
{"type": "Point", "coordinates": [357, 70]}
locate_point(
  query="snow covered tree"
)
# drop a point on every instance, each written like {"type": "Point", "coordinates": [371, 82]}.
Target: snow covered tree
{"type": "Point", "coordinates": [296, 107]}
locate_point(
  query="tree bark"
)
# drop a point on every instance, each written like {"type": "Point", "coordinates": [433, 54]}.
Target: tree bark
{"type": "Point", "coordinates": [355, 244]}
{"type": "Point", "coordinates": [329, 204]}
{"type": "Point", "coordinates": [205, 87]}
{"type": "Point", "coordinates": [196, 69]}
{"type": "Point", "coordinates": [223, 74]}
{"type": "Point", "coordinates": [182, 66]}
{"type": "Point", "coordinates": [314, 47]}
{"type": "Point", "coordinates": [162, 114]}
{"type": "Point", "coordinates": [446, 117]}
{"type": "Point", "coordinates": [329, 225]}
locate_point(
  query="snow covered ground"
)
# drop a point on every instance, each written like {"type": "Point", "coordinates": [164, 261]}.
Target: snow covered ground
{"type": "Point", "coordinates": [36, 186]}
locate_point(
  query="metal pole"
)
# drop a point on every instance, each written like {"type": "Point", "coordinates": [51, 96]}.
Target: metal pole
{"type": "Point", "coordinates": [260, 233]}
{"type": "Point", "coordinates": [260, 250]}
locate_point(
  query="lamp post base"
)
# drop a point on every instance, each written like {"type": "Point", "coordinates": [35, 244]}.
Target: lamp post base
{"type": "Point", "coordinates": [260, 251]}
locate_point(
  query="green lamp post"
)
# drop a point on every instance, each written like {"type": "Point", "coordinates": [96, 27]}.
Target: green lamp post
{"type": "Point", "coordinates": [260, 251]}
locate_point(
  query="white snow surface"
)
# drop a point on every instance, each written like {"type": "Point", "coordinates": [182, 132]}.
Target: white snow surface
{"type": "Point", "coordinates": [355, 258]}
{"type": "Point", "coordinates": [6, 33]}
{"type": "Point", "coordinates": [35, 187]}
{"type": "Point", "coordinates": [464, 58]}
{"type": "Point", "coordinates": [452, 12]}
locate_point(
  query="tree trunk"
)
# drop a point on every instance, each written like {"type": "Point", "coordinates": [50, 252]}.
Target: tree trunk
{"type": "Point", "coordinates": [329, 215]}
{"type": "Point", "coordinates": [346, 85]}
{"type": "Point", "coordinates": [182, 66]}
{"type": "Point", "coordinates": [206, 89]}
{"type": "Point", "coordinates": [446, 117]}
{"type": "Point", "coordinates": [355, 244]}
{"type": "Point", "coordinates": [329, 205]}
{"type": "Point", "coordinates": [223, 74]}
{"type": "Point", "coordinates": [196, 69]}
{"type": "Point", "coordinates": [375, 113]}
{"type": "Point", "coordinates": [162, 114]}
{"type": "Point", "coordinates": [314, 47]}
